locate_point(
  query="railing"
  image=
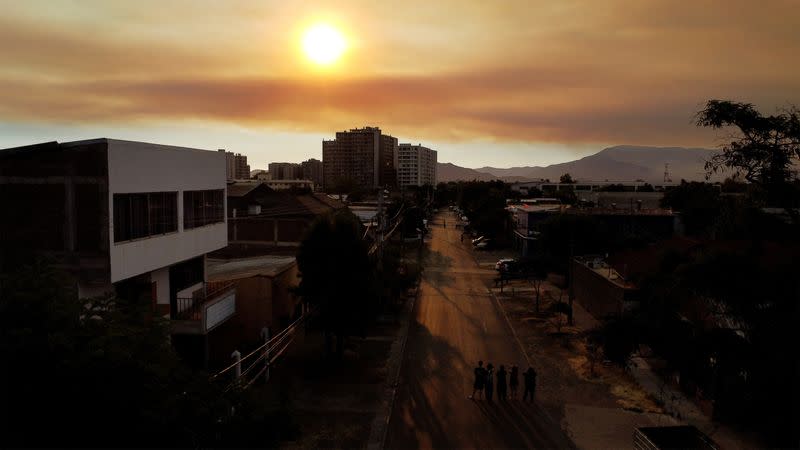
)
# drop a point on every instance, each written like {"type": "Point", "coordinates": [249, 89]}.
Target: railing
{"type": "Point", "coordinates": [191, 308]}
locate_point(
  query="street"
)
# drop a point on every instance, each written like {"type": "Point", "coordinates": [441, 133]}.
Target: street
{"type": "Point", "coordinates": [456, 323]}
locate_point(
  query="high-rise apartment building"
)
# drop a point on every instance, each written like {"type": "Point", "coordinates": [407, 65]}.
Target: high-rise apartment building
{"type": "Point", "coordinates": [285, 171]}
{"type": "Point", "coordinates": [416, 165]}
{"type": "Point", "coordinates": [236, 167]}
{"type": "Point", "coordinates": [312, 170]}
{"type": "Point", "coordinates": [363, 156]}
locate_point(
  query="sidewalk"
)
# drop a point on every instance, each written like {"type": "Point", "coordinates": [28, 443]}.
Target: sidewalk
{"type": "Point", "coordinates": [597, 410]}
{"type": "Point", "coordinates": [600, 411]}
{"type": "Point", "coordinates": [679, 406]}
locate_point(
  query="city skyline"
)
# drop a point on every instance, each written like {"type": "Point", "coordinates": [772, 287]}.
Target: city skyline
{"type": "Point", "coordinates": [526, 84]}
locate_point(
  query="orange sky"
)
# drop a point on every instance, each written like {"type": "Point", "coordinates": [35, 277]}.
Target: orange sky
{"type": "Point", "coordinates": [487, 83]}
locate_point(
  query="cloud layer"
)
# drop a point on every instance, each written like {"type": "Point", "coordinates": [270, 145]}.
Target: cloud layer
{"type": "Point", "coordinates": [569, 72]}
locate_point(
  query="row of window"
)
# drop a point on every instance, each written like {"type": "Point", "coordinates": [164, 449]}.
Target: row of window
{"type": "Point", "coordinates": [147, 214]}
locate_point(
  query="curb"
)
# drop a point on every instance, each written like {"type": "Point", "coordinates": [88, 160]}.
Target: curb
{"type": "Point", "coordinates": [375, 442]}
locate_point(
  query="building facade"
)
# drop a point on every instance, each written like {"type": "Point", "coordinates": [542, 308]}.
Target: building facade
{"type": "Point", "coordinates": [416, 165]}
{"type": "Point", "coordinates": [312, 170]}
{"type": "Point", "coordinates": [259, 216]}
{"type": "Point", "coordinates": [236, 167]}
{"type": "Point", "coordinates": [363, 156]}
{"type": "Point", "coordinates": [115, 217]}
{"type": "Point", "coordinates": [285, 171]}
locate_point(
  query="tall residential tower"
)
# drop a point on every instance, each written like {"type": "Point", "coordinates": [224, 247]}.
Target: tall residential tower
{"type": "Point", "coordinates": [416, 165]}
{"type": "Point", "coordinates": [362, 156]}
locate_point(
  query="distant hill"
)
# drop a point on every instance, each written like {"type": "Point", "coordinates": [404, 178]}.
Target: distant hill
{"type": "Point", "coordinates": [451, 172]}
{"type": "Point", "coordinates": [620, 163]}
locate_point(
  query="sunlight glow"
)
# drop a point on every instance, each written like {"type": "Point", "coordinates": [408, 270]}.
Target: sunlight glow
{"type": "Point", "coordinates": [323, 44]}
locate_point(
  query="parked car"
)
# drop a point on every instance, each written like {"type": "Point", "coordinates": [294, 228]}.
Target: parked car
{"type": "Point", "coordinates": [478, 240]}
{"type": "Point", "coordinates": [485, 244]}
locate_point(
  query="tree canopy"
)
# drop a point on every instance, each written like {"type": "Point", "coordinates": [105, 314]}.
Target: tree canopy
{"type": "Point", "coordinates": [336, 274]}
{"type": "Point", "coordinates": [763, 150]}
{"type": "Point", "coordinates": [566, 179]}
{"type": "Point", "coordinates": [101, 373]}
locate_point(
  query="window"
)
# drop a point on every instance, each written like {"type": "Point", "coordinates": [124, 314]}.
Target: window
{"type": "Point", "coordinates": [203, 208]}
{"type": "Point", "coordinates": [144, 214]}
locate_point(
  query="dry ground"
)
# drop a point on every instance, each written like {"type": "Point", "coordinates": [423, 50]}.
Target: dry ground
{"type": "Point", "coordinates": [561, 356]}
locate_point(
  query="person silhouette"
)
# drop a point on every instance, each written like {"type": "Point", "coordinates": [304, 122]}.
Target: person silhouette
{"type": "Point", "coordinates": [488, 385]}
{"type": "Point", "coordinates": [480, 376]}
{"type": "Point", "coordinates": [530, 383]}
{"type": "Point", "coordinates": [502, 386]}
{"type": "Point", "coordinates": [513, 381]}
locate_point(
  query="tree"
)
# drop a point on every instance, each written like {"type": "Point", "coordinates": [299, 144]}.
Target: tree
{"type": "Point", "coordinates": [566, 179]}
{"type": "Point", "coordinates": [763, 151]}
{"type": "Point", "coordinates": [336, 276]}
{"type": "Point", "coordinates": [536, 272]}
{"type": "Point", "coordinates": [698, 203]}
{"type": "Point", "coordinates": [647, 187]}
{"type": "Point", "coordinates": [563, 235]}
{"type": "Point", "coordinates": [484, 203]}
{"type": "Point", "coordinates": [99, 372]}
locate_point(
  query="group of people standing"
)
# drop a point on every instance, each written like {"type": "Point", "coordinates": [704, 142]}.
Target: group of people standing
{"type": "Point", "coordinates": [506, 381]}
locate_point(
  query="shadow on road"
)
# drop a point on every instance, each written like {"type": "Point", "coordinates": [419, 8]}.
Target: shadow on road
{"type": "Point", "coordinates": [439, 262]}
{"type": "Point", "coordinates": [426, 388]}
{"type": "Point", "coordinates": [436, 259]}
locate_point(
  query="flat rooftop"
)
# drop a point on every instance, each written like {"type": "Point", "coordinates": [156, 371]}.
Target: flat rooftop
{"type": "Point", "coordinates": [233, 269]}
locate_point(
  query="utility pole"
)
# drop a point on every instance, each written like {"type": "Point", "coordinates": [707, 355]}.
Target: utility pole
{"type": "Point", "coordinates": [381, 222]}
{"type": "Point", "coordinates": [237, 358]}
{"type": "Point", "coordinates": [570, 274]}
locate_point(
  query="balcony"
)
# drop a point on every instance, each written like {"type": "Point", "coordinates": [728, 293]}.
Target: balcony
{"type": "Point", "coordinates": [208, 307]}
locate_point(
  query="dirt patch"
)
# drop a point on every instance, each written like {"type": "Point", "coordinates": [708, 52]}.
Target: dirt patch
{"type": "Point", "coordinates": [340, 430]}
{"type": "Point", "coordinates": [569, 373]}
{"type": "Point", "coordinates": [334, 402]}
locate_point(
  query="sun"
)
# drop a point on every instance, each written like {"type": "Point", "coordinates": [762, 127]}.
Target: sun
{"type": "Point", "coordinates": [323, 44]}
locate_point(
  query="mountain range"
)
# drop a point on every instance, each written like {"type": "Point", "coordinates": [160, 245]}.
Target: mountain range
{"type": "Point", "coordinates": [619, 163]}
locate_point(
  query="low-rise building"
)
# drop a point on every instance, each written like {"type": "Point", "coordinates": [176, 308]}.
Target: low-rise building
{"type": "Point", "coordinates": [639, 219]}
{"type": "Point", "coordinates": [116, 217]}
{"type": "Point", "coordinates": [601, 289]}
{"type": "Point", "coordinates": [260, 216]}
{"type": "Point", "coordinates": [264, 301]}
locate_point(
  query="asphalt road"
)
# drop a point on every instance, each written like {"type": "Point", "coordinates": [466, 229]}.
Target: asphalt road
{"type": "Point", "coordinates": [456, 323]}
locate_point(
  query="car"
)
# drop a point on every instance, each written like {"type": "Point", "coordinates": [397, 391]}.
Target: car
{"type": "Point", "coordinates": [485, 244]}
{"type": "Point", "coordinates": [503, 265]}
{"type": "Point", "coordinates": [478, 240]}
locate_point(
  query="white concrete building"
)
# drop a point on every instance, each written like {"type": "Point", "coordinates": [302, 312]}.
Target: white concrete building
{"type": "Point", "coordinates": [416, 165]}
{"type": "Point", "coordinates": [137, 219]}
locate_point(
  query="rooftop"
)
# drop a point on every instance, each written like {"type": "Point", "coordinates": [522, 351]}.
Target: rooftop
{"type": "Point", "coordinates": [599, 266]}
{"type": "Point", "coordinates": [240, 189]}
{"type": "Point", "coordinates": [55, 145]}
{"type": "Point", "coordinates": [268, 265]}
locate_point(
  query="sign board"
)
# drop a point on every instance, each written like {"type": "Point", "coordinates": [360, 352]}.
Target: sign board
{"type": "Point", "coordinates": [220, 310]}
